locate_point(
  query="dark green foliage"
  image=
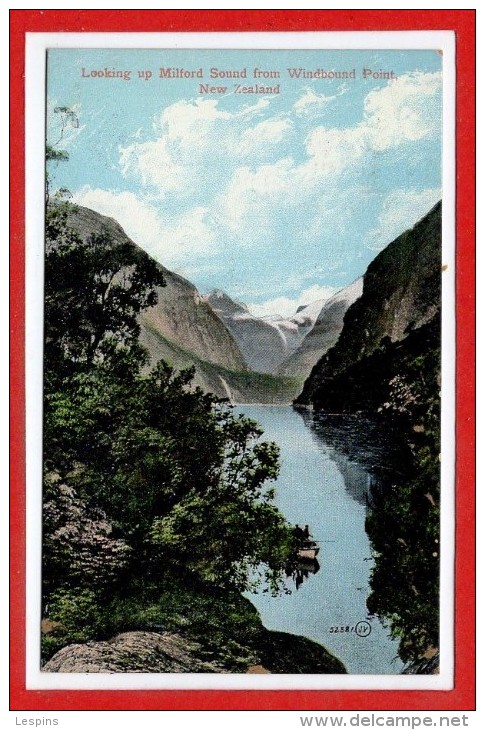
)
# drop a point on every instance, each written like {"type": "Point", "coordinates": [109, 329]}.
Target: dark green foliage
{"type": "Point", "coordinates": [402, 290]}
{"type": "Point", "coordinates": [387, 381]}
{"type": "Point", "coordinates": [53, 155]}
{"type": "Point", "coordinates": [307, 657]}
{"type": "Point", "coordinates": [404, 523]}
{"type": "Point", "coordinates": [74, 617]}
{"type": "Point", "coordinates": [171, 467]}
{"type": "Point", "coordinates": [404, 530]}
{"type": "Point", "coordinates": [386, 365]}
{"type": "Point", "coordinates": [93, 291]}
{"type": "Point", "coordinates": [144, 474]}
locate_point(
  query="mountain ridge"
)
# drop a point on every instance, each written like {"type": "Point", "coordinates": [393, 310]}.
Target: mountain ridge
{"type": "Point", "coordinates": [401, 294]}
{"type": "Point", "coordinates": [181, 312]}
{"type": "Point", "coordinates": [265, 342]}
{"type": "Point", "coordinates": [324, 333]}
{"type": "Point", "coordinates": [183, 330]}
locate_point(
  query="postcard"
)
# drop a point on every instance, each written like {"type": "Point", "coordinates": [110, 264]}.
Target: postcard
{"type": "Point", "coordinates": [241, 384]}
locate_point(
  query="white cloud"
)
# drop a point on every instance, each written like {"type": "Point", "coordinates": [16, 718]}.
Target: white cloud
{"type": "Point", "coordinates": [239, 167]}
{"type": "Point", "coordinates": [153, 164]}
{"type": "Point", "coordinates": [138, 219]}
{"type": "Point", "coordinates": [252, 194]}
{"type": "Point", "coordinates": [407, 109]}
{"type": "Point", "coordinates": [268, 132]}
{"type": "Point", "coordinates": [213, 180]}
{"type": "Point", "coordinates": [286, 306]}
{"type": "Point", "coordinates": [195, 142]}
{"type": "Point", "coordinates": [400, 211]}
{"type": "Point", "coordinates": [312, 103]}
{"type": "Point", "coordinates": [251, 110]}
{"type": "Point", "coordinates": [192, 233]}
{"type": "Point", "coordinates": [333, 150]}
{"type": "Point", "coordinates": [169, 240]}
{"type": "Point", "coordinates": [191, 124]}
{"type": "Point", "coordinates": [188, 136]}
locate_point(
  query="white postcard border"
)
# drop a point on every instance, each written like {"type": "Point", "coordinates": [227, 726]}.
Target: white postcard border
{"type": "Point", "coordinates": [36, 46]}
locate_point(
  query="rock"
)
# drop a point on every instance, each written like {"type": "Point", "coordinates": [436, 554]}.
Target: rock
{"type": "Point", "coordinates": [49, 627]}
{"type": "Point", "coordinates": [146, 652]}
{"type": "Point", "coordinates": [134, 651]}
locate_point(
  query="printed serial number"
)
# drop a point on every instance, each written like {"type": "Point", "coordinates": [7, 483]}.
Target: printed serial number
{"type": "Point", "coordinates": [361, 628]}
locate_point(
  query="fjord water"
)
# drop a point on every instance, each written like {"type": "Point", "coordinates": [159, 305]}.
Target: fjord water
{"type": "Point", "coordinates": [321, 486]}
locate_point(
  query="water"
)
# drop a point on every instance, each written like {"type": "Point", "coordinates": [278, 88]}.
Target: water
{"type": "Point", "coordinates": [322, 486]}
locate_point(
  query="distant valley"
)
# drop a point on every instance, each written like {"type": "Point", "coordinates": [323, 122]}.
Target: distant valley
{"type": "Point", "coordinates": [265, 342]}
{"type": "Point", "coordinates": [250, 359]}
{"type": "Point", "coordinates": [187, 329]}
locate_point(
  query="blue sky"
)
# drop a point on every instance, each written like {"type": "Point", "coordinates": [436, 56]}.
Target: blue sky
{"type": "Point", "coordinates": [279, 199]}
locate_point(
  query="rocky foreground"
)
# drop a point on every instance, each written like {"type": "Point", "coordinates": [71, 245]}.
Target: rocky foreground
{"type": "Point", "coordinates": [133, 651]}
{"type": "Point", "coordinates": [153, 652]}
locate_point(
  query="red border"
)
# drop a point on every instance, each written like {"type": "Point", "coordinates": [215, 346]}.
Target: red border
{"type": "Point", "coordinates": [462, 697]}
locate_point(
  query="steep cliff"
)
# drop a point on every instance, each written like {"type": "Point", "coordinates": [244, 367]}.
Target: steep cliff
{"type": "Point", "coordinates": [181, 316]}
{"type": "Point", "coordinates": [183, 329]}
{"type": "Point", "coordinates": [400, 301]}
{"type": "Point", "coordinates": [323, 335]}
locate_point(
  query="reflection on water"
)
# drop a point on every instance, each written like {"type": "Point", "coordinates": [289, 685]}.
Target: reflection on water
{"type": "Point", "coordinates": [363, 448]}
{"type": "Point", "coordinates": [322, 483]}
{"type": "Point", "coordinates": [300, 570]}
{"type": "Point", "coordinates": [357, 481]}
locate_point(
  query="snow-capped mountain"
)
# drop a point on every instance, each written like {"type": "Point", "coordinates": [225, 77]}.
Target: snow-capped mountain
{"type": "Point", "coordinates": [324, 333]}
{"type": "Point", "coordinates": [265, 342]}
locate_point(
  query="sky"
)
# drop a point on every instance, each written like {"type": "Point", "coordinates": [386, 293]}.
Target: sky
{"type": "Point", "coordinates": [279, 199]}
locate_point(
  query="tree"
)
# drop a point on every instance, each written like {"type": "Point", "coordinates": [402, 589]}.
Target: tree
{"type": "Point", "coordinates": [404, 523]}
{"type": "Point", "coordinates": [53, 154]}
{"type": "Point", "coordinates": [94, 290]}
{"type": "Point", "coordinates": [227, 530]}
{"type": "Point", "coordinates": [178, 478]}
{"type": "Point", "coordinates": [79, 546]}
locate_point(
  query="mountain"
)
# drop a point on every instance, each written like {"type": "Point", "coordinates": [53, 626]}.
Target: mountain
{"type": "Point", "coordinates": [265, 342]}
{"type": "Point", "coordinates": [324, 333]}
{"type": "Point", "coordinates": [183, 329]}
{"type": "Point", "coordinates": [386, 366]}
{"type": "Point", "coordinates": [180, 316]}
{"type": "Point", "coordinates": [396, 319]}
